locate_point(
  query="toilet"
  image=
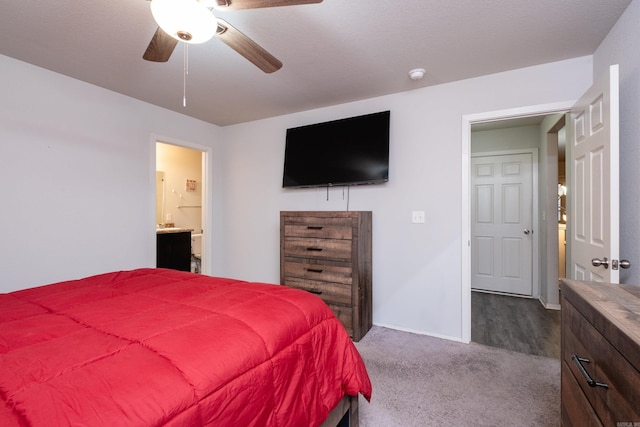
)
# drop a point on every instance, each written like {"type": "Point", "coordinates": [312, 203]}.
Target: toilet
{"type": "Point", "coordinates": [196, 252]}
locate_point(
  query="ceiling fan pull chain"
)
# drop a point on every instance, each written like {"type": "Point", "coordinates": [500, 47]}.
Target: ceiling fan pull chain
{"type": "Point", "coordinates": [184, 75]}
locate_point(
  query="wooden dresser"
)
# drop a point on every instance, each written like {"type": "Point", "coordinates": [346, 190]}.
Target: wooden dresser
{"type": "Point", "coordinates": [600, 354]}
{"type": "Point", "coordinates": [328, 253]}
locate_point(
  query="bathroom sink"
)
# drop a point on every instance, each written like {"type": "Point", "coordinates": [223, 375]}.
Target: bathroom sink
{"type": "Point", "coordinates": [168, 229]}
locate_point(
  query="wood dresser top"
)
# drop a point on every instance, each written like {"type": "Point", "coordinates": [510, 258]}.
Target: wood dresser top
{"type": "Point", "coordinates": [614, 310]}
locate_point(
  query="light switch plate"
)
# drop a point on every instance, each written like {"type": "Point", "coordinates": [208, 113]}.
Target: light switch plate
{"type": "Point", "coordinates": [417, 217]}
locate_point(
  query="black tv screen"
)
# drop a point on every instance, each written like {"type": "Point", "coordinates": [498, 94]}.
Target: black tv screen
{"type": "Point", "coordinates": [341, 152]}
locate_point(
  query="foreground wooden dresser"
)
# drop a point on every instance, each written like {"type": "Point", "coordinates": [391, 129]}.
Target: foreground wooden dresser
{"type": "Point", "coordinates": [600, 354]}
{"type": "Point", "coordinates": [329, 253]}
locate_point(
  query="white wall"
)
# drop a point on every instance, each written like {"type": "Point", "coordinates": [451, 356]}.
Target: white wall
{"type": "Point", "coordinates": [416, 268]}
{"type": "Point", "coordinates": [622, 46]}
{"type": "Point", "coordinates": [76, 163]}
{"type": "Point", "coordinates": [511, 138]}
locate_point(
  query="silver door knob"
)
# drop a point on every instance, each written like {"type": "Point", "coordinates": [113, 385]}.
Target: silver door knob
{"type": "Point", "coordinates": [527, 231]}
{"type": "Point", "coordinates": [625, 263]}
{"type": "Point", "coordinates": [597, 262]}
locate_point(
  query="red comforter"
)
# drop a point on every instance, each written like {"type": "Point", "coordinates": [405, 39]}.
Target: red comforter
{"type": "Point", "coordinates": [160, 347]}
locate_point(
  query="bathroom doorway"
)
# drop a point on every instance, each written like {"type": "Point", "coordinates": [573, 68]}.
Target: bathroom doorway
{"type": "Point", "coordinates": [181, 195]}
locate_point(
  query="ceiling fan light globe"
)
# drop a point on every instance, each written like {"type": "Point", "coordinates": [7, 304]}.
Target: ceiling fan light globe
{"type": "Point", "coordinates": [180, 17]}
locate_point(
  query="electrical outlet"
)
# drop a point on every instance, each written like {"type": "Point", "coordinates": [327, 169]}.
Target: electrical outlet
{"type": "Point", "coordinates": [417, 217]}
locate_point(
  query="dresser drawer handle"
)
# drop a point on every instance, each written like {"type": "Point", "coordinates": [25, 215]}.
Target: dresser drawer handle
{"type": "Point", "coordinates": [314, 227]}
{"type": "Point", "coordinates": [314, 291]}
{"type": "Point", "coordinates": [315, 249]}
{"type": "Point", "coordinates": [314, 270]}
{"type": "Point", "coordinates": [592, 383]}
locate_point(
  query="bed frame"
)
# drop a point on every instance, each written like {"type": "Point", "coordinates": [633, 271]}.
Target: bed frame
{"type": "Point", "coordinates": [345, 414]}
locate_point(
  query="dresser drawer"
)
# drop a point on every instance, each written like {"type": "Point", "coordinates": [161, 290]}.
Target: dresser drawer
{"type": "Point", "coordinates": [345, 315]}
{"type": "Point", "coordinates": [312, 226]}
{"type": "Point", "coordinates": [330, 292]}
{"type": "Point", "coordinates": [317, 248]}
{"type": "Point", "coordinates": [319, 272]}
{"type": "Point", "coordinates": [324, 232]}
{"type": "Point", "coordinates": [616, 403]}
{"type": "Point", "coordinates": [576, 410]}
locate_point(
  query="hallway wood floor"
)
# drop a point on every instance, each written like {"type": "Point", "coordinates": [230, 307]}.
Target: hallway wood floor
{"type": "Point", "coordinates": [513, 323]}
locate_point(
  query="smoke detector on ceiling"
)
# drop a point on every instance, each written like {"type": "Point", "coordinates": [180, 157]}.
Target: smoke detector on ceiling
{"type": "Point", "coordinates": [416, 73]}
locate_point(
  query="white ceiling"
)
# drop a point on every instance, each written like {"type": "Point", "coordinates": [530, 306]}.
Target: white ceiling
{"type": "Point", "coordinates": [333, 52]}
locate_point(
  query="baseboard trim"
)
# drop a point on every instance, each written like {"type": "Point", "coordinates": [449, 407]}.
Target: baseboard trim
{"type": "Point", "coordinates": [415, 331]}
{"type": "Point", "coordinates": [552, 306]}
{"type": "Point", "coordinates": [506, 294]}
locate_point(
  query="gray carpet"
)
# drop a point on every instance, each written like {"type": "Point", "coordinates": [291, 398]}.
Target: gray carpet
{"type": "Point", "coordinates": [425, 381]}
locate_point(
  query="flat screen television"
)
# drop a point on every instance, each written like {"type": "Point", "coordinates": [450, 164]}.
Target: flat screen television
{"type": "Point", "coordinates": [349, 151]}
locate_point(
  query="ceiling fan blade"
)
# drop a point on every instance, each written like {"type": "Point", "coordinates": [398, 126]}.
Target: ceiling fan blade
{"type": "Point", "coordinates": [256, 4]}
{"type": "Point", "coordinates": [246, 47]}
{"type": "Point", "coordinates": [161, 47]}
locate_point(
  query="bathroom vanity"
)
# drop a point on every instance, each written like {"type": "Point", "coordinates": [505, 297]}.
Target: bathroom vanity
{"type": "Point", "coordinates": [173, 248]}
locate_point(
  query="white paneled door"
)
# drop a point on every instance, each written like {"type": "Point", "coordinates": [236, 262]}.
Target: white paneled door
{"type": "Point", "coordinates": [593, 157]}
{"type": "Point", "coordinates": [501, 223]}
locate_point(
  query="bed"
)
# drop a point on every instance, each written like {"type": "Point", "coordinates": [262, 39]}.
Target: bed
{"type": "Point", "coordinates": [152, 347]}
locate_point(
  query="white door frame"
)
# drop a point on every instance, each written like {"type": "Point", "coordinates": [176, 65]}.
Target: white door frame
{"type": "Point", "coordinates": [465, 226]}
{"type": "Point", "coordinates": [535, 238]}
{"type": "Point", "coordinates": [207, 194]}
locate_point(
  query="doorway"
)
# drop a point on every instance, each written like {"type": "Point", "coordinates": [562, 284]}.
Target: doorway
{"type": "Point", "coordinates": [182, 196]}
{"type": "Point", "coordinates": [538, 271]}
{"type": "Point", "coordinates": [508, 308]}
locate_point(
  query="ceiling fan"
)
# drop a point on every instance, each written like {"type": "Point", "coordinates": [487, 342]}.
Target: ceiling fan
{"type": "Point", "coordinates": [193, 21]}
